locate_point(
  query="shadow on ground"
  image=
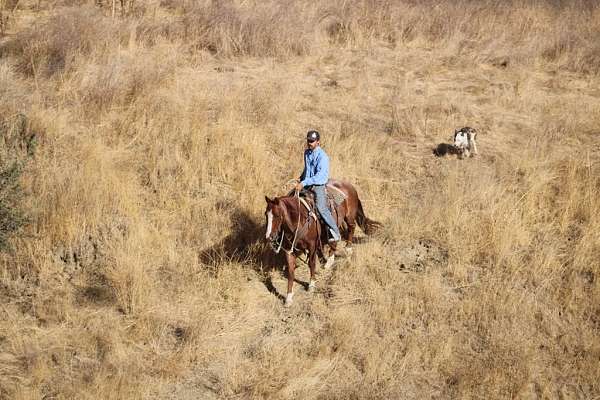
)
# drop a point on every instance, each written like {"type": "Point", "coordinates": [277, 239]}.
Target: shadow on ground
{"type": "Point", "coordinates": [444, 149]}
{"type": "Point", "coordinates": [246, 245]}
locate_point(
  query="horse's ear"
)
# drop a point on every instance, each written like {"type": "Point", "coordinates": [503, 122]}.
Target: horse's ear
{"type": "Point", "coordinates": [272, 201]}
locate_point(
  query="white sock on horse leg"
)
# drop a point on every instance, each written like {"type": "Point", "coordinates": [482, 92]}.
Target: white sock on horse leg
{"type": "Point", "coordinates": [330, 261]}
{"type": "Point", "coordinates": [289, 298]}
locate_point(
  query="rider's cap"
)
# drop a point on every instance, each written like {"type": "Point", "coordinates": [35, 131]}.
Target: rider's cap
{"type": "Point", "coordinates": [312, 136]}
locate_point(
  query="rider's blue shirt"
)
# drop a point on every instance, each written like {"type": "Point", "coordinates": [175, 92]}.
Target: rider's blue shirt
{"type": "Point", "coordinates": [316, 167]}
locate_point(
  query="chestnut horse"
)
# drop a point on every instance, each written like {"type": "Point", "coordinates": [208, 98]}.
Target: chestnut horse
{"type": "Point", "coordinates": [292, 227]}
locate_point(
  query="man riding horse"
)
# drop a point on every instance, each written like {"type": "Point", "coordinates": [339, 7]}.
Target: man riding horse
{"type": "Point", "coordinates": [291, 226]}
{"type": "Point", "coordinates": [314, 178]}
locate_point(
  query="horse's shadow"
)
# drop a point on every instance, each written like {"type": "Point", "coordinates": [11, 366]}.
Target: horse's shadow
{"type": "Point", "coordinates": [245, 245]}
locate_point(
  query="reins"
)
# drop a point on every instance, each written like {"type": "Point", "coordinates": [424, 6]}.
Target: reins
{"type": "Point", "coordinates": [282, 236]}
{"type": "Point", "coordinates": [297, 195]}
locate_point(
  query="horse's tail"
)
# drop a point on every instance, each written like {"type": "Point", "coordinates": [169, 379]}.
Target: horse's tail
{"type": "Point", "coordinates": [367, 225]}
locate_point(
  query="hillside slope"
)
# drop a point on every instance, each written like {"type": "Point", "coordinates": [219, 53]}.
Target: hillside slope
{"type": "Point", "coordinates": [143, 272]}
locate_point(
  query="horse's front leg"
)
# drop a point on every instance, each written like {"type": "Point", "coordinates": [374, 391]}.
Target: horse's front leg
{"type": "Point", "coordinates": [312, 264]}
{"type": "Point", "coordinates": [291, 263]}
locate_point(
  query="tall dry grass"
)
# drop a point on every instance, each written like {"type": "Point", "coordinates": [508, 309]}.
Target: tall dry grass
{"type": "Point", "coordinates": [143, 273]}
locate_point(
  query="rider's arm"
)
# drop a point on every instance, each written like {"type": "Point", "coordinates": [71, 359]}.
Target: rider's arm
{"type": "Point", "coordinates": [303, 174]}
{"type": "Point", "coordinates": [322, 172]}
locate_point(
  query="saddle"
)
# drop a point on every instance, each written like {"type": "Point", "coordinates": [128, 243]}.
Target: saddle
{"type": "Point", "coordinates": [335, 197]}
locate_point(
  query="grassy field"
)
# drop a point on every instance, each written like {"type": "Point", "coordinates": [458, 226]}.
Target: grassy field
{"type": "Point", "coordinates": [161, 125]}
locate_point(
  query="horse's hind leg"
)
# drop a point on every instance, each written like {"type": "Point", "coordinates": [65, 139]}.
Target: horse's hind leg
{"type": "Point", "coordinates": [351, 222]}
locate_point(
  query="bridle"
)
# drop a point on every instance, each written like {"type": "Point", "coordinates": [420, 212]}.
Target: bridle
{"type": "Point", "coordinates": [273, 242]}
{"type": "Point", "coordinates": [277, 242]}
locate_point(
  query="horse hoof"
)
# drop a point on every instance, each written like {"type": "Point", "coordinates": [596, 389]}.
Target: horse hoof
{"type": "Point", "coordinates": [311, 287]}
{"type": "Point", "coordinates": [288, 300]}
{"type": "Point", "coordinates": [349, 250]}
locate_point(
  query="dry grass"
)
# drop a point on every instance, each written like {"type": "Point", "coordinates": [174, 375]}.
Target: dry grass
{"type": "Point", "coordinates": [143, 273]}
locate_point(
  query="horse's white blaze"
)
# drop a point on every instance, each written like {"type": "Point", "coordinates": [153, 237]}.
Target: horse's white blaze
{"type": "Point", "coordinates": [269, 224]}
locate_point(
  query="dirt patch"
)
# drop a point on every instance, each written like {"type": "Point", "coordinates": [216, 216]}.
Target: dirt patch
{"type": "Point", "coordinates": [420, 256]}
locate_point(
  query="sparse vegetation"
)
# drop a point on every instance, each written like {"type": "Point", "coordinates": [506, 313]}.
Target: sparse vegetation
{"type": "Point", "coordinates": [16, 144]}
{"type": "Point", "coordinates": [162, 125]}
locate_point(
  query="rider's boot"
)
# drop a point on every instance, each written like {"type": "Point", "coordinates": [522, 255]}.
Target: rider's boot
{"type": "Point", "coordinates": [333, 236]}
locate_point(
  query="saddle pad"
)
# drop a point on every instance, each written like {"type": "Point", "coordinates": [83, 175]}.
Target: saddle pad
{"type": "Point", "coordinates": [336, 195]}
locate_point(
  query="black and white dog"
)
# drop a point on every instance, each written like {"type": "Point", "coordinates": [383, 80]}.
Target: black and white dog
{"type": "Point", "coordinates": [464, 140]}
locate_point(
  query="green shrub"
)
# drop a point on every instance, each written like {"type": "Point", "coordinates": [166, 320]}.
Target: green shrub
{"type": "Point", "coordinates": [17, 144]}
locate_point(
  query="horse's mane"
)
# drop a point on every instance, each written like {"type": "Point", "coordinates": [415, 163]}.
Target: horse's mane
{"type": "Point", "coordinates": [290, 201]}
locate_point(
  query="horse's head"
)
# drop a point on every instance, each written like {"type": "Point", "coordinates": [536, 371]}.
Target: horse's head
{"type": "Point", "coordinates": [275, 218]}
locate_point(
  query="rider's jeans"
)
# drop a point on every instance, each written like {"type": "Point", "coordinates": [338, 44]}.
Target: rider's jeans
{"type": "Point", "coordinates": [321, 200]}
